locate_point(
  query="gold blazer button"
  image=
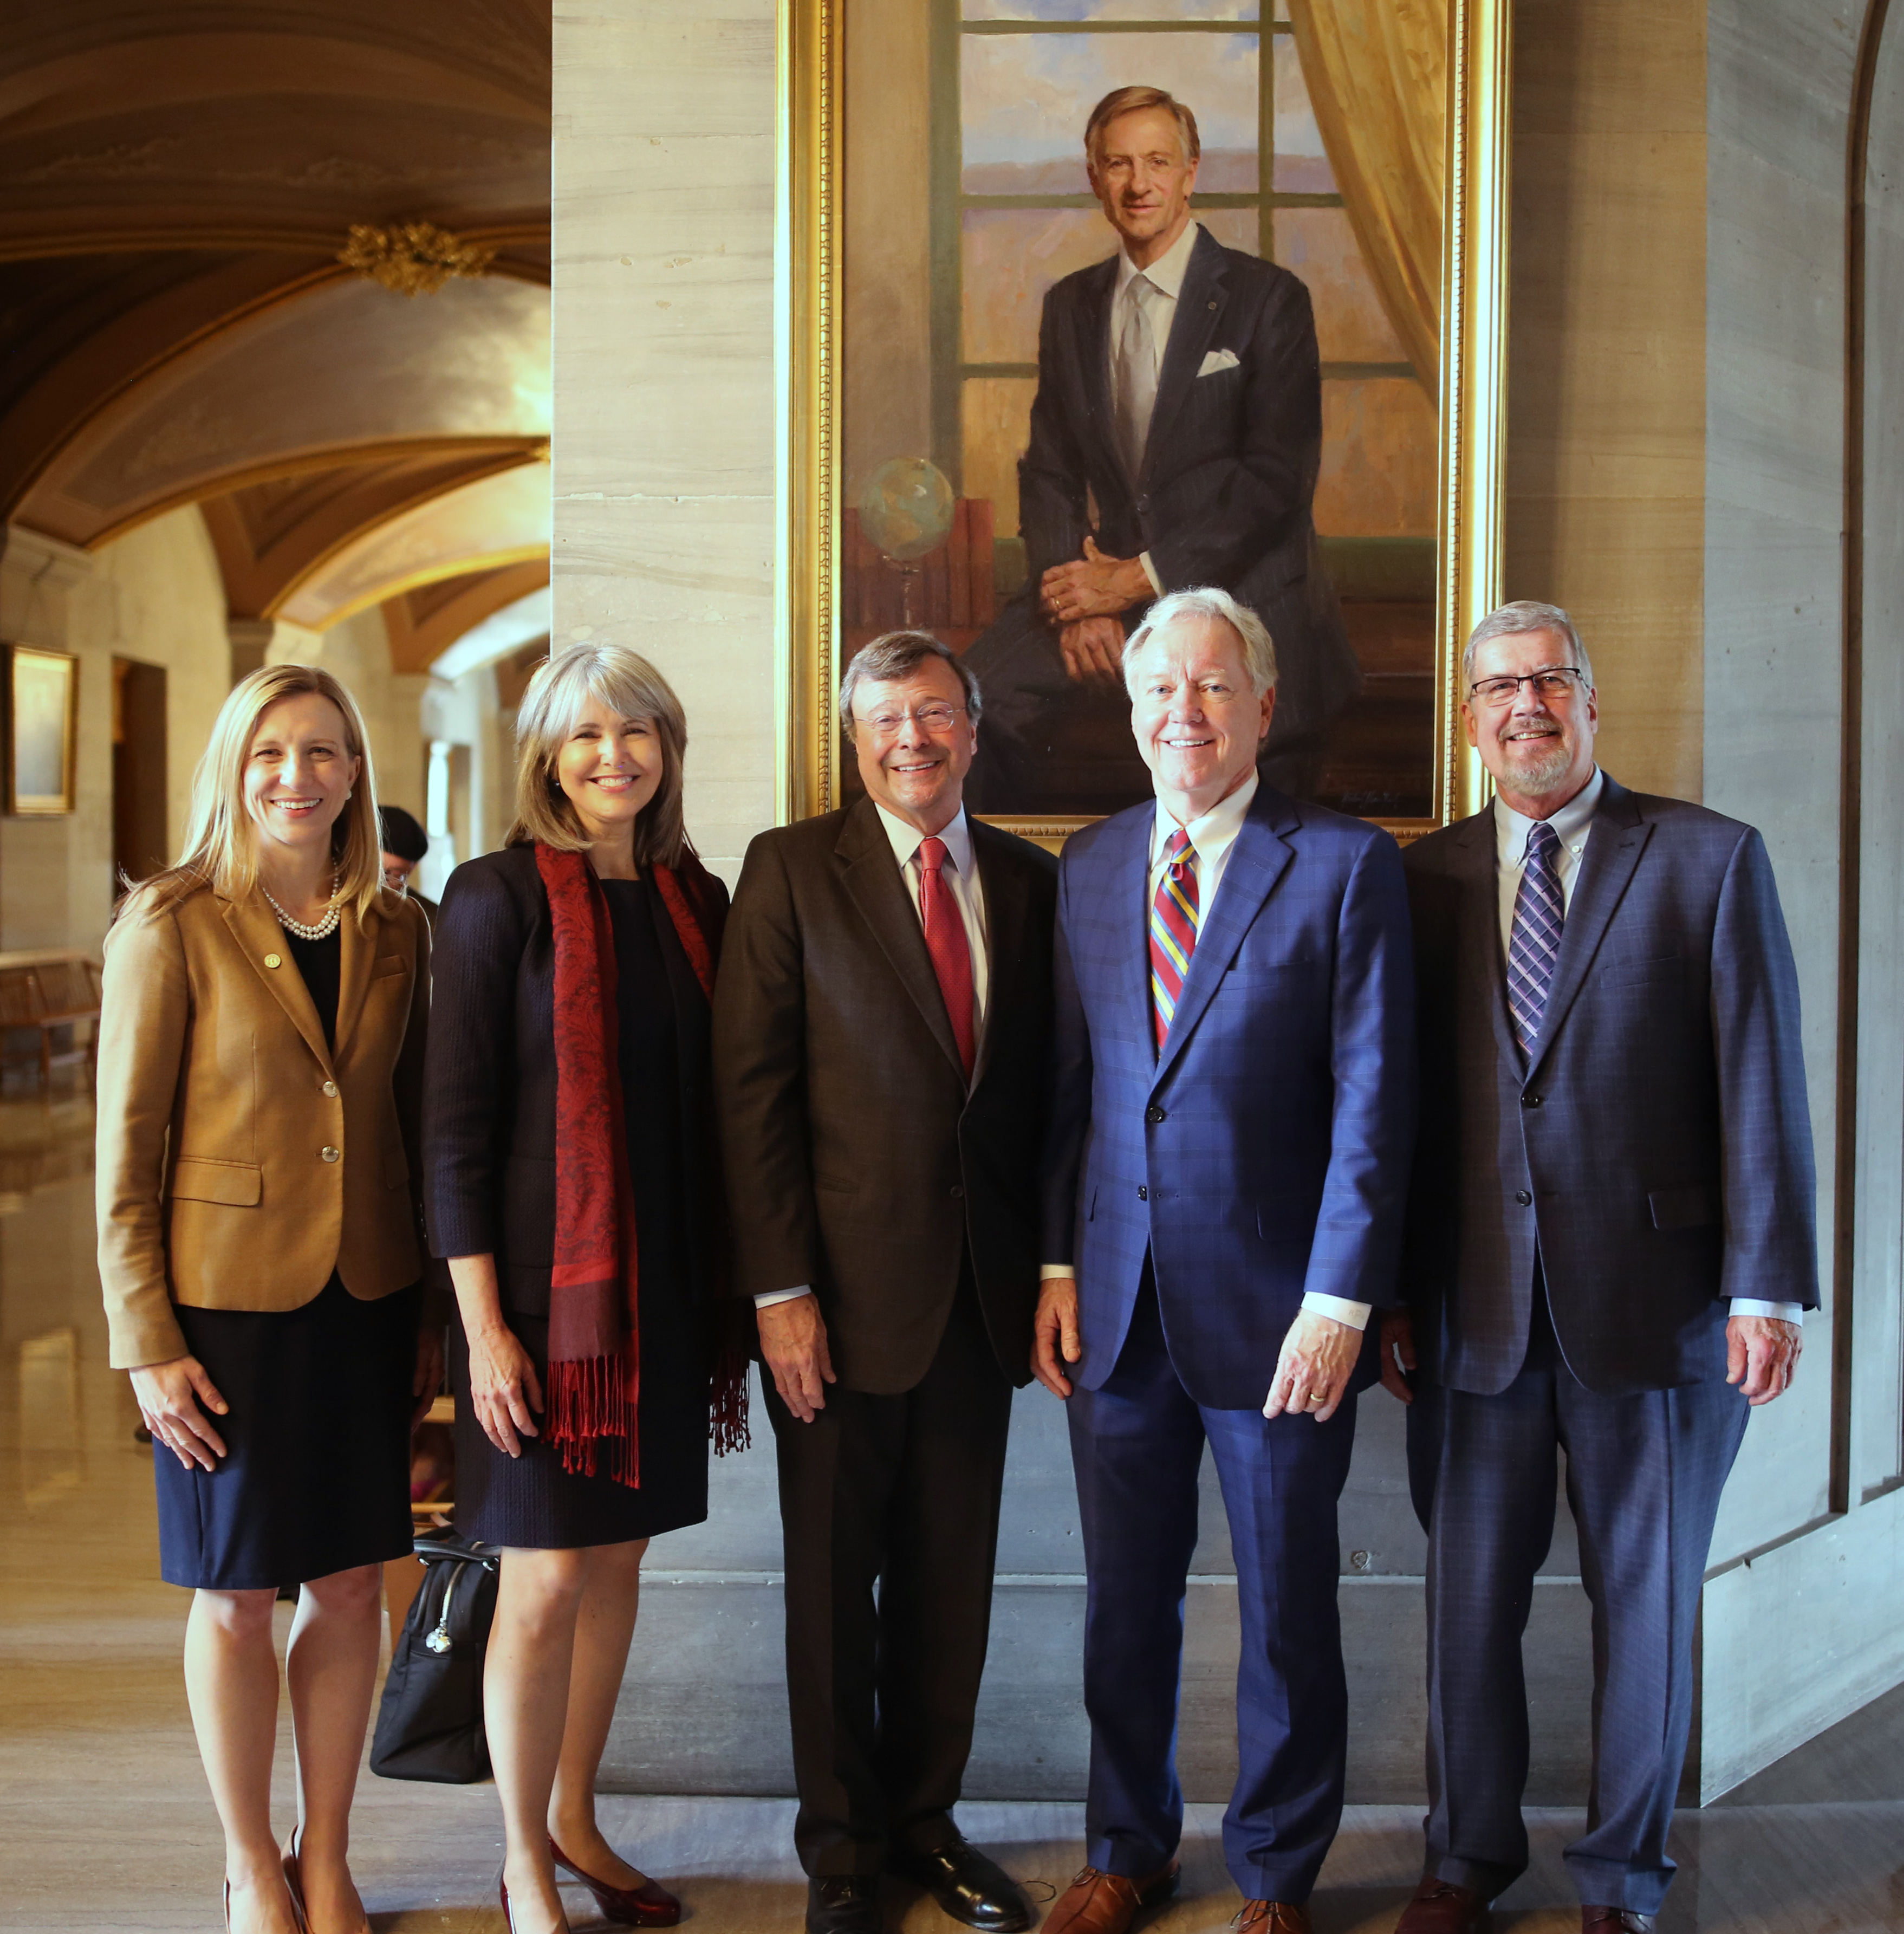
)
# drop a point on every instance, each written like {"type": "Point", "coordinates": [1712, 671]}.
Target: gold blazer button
{"type": "Point", "coordinates": [274, 960]}
{"type": "Point", "coordinates": [329, 1154]}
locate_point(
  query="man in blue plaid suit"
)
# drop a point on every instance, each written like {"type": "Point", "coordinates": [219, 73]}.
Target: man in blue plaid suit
{"type": "Point", "coordinates": [1225, 1177]}
{"type": "Point", "coordinates": [1610, 1248]}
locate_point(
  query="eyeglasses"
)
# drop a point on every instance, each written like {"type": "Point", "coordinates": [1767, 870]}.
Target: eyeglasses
{"type": "Point", "coordinates": [1556, 682]}
{"type": "Point", "coordinates": [934, 718]}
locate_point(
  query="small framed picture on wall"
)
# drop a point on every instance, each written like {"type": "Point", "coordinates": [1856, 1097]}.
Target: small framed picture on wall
{"type": "Point", "coordinates": [42, 692]}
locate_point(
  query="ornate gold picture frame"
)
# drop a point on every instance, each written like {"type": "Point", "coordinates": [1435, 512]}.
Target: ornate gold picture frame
{"type": "Point", "coordinates": [837, 321]}
{"type": "Point", "coordinates": [42, 721]}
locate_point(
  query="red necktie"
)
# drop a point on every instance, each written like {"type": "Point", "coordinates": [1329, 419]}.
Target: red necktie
{"type": "Point", "coordinates": [946, 942]}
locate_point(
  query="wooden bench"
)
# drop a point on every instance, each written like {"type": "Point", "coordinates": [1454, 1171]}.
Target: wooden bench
{"type": "Point", "coordinates": [45, 991]}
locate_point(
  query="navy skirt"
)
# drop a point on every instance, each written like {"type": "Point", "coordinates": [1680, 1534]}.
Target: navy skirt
{"type": "Point", "coordinates": [531, 1503]}
{"type": "Point", "coordinates": [316, 1474]}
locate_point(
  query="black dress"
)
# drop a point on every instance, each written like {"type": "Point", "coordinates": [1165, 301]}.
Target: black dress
{"type": "Point", "coordinates": [531, 1502]}
{"type": "Point", "coordinates": [316, 1474]}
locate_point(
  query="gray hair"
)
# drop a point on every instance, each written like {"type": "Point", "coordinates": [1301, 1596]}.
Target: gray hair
{"type": "Point", "coordinates": [1517, 620]}
{"type": "Point", "coordinates": [1207, 601]}
{"type": "Point", "coordinates": [897, 654]}
{"type": "Point", "coordinates": [558, 694]}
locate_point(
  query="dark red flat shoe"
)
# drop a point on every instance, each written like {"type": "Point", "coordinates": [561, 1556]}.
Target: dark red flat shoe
{"type": "Point", "coordinates": [650, 1905]}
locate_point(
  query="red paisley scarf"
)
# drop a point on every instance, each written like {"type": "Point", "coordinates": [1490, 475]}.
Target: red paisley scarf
{"type": "Point", "coordinates": [595, 1339]}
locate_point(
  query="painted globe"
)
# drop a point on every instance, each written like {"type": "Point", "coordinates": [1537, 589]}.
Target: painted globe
{"type": "Point", "coordinates": [906, 508]}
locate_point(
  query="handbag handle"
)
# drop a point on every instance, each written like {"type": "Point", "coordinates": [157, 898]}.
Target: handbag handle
{"type": "Point", "coordinates": [439, 1641]}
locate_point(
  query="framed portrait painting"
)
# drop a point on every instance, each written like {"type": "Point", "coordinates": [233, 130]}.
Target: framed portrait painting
{"type": "Point", "coordinates": [42, 716]}
{"type": "Point", "coordinates": [1085, 301]}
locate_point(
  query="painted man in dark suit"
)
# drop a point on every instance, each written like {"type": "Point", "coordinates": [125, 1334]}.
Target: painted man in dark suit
{"type": "Point", "coordinates": [1232, 1116]}
{"type": "Point", "coordinates": [1175, 440]}
{"type": "Point", "coordinates": [880, 1028]}
{"type": "Point", "coordinates": [1611, 1246]}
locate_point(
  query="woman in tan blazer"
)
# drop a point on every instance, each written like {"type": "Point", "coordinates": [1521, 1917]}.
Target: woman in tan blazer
{"type": "Point", "coordinates": [261, 1044]}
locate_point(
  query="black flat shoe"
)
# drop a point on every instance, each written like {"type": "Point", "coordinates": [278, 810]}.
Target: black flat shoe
{"type": "Point", "coordinates": [968, 1885]}
{"type": "Point", "coordinates": [843, 1904]}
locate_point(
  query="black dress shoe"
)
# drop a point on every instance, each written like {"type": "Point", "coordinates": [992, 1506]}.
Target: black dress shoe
{"type": "Point", "coordinates": [843, 1904]}
{"type": "Point", "coordinates": [968, 1885]}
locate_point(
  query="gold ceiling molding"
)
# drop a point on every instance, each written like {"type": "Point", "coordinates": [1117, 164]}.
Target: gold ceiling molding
{"type": "Point", "coordinates": [424, 622]}
{"type": "Point", "coordinates": [249, 238]}
{"type": "Point", "coordinates": [492, 456]}
{"type": "Point", "coordinates": [414, 258]}
{"type": "Point", "coordinates": [463, 567]}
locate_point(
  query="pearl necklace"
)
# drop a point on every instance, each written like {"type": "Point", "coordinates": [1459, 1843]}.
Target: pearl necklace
{"type": "Point", "coordinates": [322, 930]}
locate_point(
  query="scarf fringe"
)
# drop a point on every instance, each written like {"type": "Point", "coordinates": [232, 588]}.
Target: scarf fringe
{"type": "Point", "coordinates": [593, 1418]}
{"type": "Point", "coordinates": [727, 1407]}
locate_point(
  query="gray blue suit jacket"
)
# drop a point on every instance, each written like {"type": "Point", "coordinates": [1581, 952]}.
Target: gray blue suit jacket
{"type": "Point", "coordinates": [1657, 1147]}
{"type": "Point", "coordinates": [1264, 1152]}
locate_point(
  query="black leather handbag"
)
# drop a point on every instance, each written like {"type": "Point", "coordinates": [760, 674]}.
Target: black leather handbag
{"type": "Point", "coordinates": [429, 1725]}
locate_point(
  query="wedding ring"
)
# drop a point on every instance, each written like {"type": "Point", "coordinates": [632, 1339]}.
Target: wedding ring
{"type": "Point", "coordinates": [1316, 1398]}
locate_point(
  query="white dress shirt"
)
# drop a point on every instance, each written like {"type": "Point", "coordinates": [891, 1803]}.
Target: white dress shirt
{"type": "Point", "coordinates": [1163, 284]}
{"type": "Point", "coordinates": [961, 875]}
{"type": "Point", "coordinates": [1572, 825]}
{"type": "Point", "coordinates": [1213, 837]}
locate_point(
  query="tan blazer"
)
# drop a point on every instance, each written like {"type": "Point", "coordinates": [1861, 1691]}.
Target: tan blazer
{"type": "Point", "coordinates": [240, 1162]}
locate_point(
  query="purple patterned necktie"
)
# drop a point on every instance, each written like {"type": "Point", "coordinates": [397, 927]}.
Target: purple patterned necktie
{"type": "Point", "coordinates": [1534, 945]}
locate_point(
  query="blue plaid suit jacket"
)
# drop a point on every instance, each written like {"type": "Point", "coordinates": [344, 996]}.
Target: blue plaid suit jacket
{"type": "Point", "coordinates": [1264, 1152]}
{"type": "Point", "coordinates": [1659, 1146]}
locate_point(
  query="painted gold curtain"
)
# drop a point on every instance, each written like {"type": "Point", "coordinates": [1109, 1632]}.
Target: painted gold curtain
{"type": "Point", "coordinates": [1378, 77]}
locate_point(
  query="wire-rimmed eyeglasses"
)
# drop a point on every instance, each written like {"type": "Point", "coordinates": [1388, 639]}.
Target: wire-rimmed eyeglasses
{"type": "Point", "coordinates": [1555, 682]}
{"type": "Point", "coordinates": [934, 718]}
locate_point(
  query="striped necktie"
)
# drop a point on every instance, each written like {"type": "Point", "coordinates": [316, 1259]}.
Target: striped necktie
{"type": "Point", "coordinates": [1174, 918]}
{"type": "Point", "coordinates": [1534, 944]}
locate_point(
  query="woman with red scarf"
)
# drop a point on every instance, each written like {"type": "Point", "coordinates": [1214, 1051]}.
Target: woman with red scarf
{"type": "Point", "coordinates": [572, 1185]}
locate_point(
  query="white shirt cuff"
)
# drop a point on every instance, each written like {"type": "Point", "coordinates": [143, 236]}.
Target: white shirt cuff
{"type": "Point", "coordinates": [1150, 571]}
{"type": "Point", "coordinates": [1047, 1270]}
{"type": "Point", "coordinates": [1355, 1314]}
{"type": "Point", "coordinates": [768, 1297]}
{"type": "Point", "coordinates": [1784, 1313]}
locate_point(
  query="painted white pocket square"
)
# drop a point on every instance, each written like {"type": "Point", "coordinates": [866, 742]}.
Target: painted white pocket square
{"type": "Point", "coordinates": [1219, 359]}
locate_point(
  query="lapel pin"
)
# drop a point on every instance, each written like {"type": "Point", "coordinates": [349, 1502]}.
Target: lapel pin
{"type": "Point", "coordinates": [1213, 304]}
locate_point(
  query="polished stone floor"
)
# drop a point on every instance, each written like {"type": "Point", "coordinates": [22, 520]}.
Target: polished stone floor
{"type": "Point", "coordinates": [105, 1824]}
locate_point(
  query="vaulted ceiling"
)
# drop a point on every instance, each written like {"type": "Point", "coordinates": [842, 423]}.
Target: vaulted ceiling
{"type": "Point", "coordinates": [177, 183]}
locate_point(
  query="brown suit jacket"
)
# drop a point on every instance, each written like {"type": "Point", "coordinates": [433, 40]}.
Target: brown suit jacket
{"type": "Point", "coordinates": [857, 1160]}
{"type": "Point", "coordinates": [218, 1100]}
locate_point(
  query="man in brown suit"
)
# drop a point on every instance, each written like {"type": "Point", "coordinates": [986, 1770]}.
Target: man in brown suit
{"type": "Point", "coordinates": [880, 1031]}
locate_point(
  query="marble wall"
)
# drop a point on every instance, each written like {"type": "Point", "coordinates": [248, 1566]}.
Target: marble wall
{"type": "Point", "coordinates": [156, 596]}
{"type": "Point", "coordinates": [1606, 382]}
{"type": "Point", "coordinates": [1810, 1557]}
{"type": "Point", "coordinates": [664, 447]}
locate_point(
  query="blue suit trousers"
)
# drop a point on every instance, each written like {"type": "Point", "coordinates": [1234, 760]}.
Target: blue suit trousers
{"type": "Point", "coordinates": [1136, 1444]}
{"type": "Point", "coordinates": [1644, 1474]}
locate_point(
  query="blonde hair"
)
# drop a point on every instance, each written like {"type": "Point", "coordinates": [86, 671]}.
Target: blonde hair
{"type": "Point", "coordinates": [221, 849]}
{"type": "Point", "coordinates": [628, 685]}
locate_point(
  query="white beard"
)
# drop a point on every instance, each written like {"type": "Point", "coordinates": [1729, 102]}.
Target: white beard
{"type": "Point", "coordinates": [1538, 772]}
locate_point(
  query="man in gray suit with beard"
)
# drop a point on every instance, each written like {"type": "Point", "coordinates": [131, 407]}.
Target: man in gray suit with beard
{"type": "Point", "coordinates": [1611, 1247]}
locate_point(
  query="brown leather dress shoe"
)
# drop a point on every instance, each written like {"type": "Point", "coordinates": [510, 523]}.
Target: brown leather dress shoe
{"type": "Point", "coordinates": [1440, 1907]}
{"type": "Point", "coordinates": [1102, 1903]}
{"type": "Point", "coordinates": [1614, 1920]}
{"type": "Point", "coordinates": [1271, 1916]}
